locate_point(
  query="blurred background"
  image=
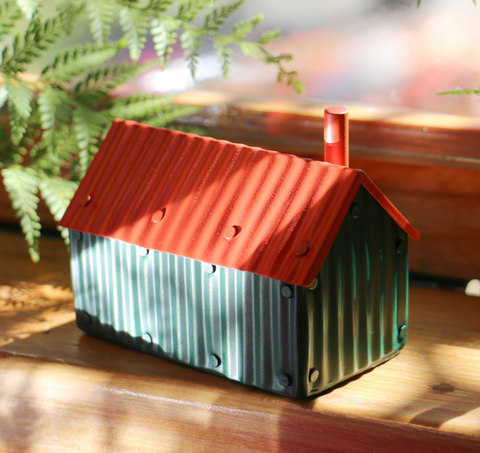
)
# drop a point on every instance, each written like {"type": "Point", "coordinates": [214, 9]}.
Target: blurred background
{"type": "Point", "coordinates": [376, 52]}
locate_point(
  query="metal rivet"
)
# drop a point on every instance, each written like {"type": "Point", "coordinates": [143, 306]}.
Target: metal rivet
{"type": "Point", "coordinates": [85, 200]}
{"type": "Point", "coordinates": [402, 332]}
{"type": "Point", "coordinates": [214, 360]}
{"type": "Point", "coordinates": [284, 380]}
{"type": "Point", "coordinates": [356, 210]}
{"type": "Point", "coordinates": [158, 215]}
{"type": "Point", "coordinates": [147, 338]}
{"type": "Point", "coordinates": [84, 318]}
{"type": "Point", "coordinates": [302, 248]}
{"type": "Point", "coordinates": [209, 268]}
{"type": "Point", "coordinates": [314, 375]}
{"type": "Point", "coordinates": [232, 231]}
{"type": "Point", "coordinates": [77, 235]}
{"type": "Point", "coordinates": [314, 284]}
{"type": "Point", "coordinates": [286, 291]}
{"type": "Point", "coordinates": [144, 251]}
{"type": "Point", "coordinates": [401, 246]}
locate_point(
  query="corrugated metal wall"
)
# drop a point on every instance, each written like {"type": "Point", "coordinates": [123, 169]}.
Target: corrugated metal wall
{"type": "Point", "coordinates": [363, 289]}
{"type": "Point", "coordinates": [240, 324]}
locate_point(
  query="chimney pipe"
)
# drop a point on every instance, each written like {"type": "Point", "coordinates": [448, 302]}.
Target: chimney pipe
{"type": "Point", "coordinates": [335, 135]}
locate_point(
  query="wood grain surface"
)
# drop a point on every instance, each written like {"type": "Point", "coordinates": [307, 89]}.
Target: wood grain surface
{"type": "Point", "coordinates": [62, 390]}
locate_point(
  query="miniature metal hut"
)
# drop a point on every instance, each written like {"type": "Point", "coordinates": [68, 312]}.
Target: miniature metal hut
{"type": "Point", "coordinates": [276, 271]}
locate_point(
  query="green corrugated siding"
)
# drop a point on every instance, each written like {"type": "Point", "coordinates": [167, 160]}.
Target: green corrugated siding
{"type": "Point", "coordinates": [347, 324]}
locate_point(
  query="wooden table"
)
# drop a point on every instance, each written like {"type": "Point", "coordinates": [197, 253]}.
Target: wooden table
{"type": "Point", "coordinates": [61, 390]}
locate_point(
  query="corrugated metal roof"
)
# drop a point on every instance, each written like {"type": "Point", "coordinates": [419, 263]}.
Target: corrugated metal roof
{"type": "Point", "coordinates": [228, 204]}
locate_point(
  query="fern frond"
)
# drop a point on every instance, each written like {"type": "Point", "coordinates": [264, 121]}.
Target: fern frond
{"type": "Point", "coordinates": [9, 15]}
{"type": "Point", "coordinates": [189, 10]}
{"type": "Point", "coordinates": [105, 79]}
{"type": "Point", "coordinates": [224, 55]}
{"type": "Point", "coordinates": [170, 113]}
{"type": "Point", "coordinates": [244, 27]}
{"type": "Point", "coordinates": [268, 37]}
{"type": "Point", "coordinates": [158, 6]}
{"type": "Point", "coordinates": [73, 62]}
{"type": "Point", "coordinates": [88, 126]}
{"type": "Point", "coordinates": [57, 193]}
{"type": "Point", "coordinates": [55, 112]}
{"type": "Point", "coordinates": [100, 14]}
{"type": "Point", "coordinates": [19, 108]}
{"type": "Point", "coordinates": [28, 7]}
{"type": "Point", "coordinates": [3, 95]}
{"type": "Point", "coordinates": [459, 92]}
{"type": "Point", "coordinates": [138, 107]}
{"type": "Point", "coordinates": [22, 186]}
{"type": "Point", "coordinates": [37, 38]}
{"type": "Point", "coordinates": [164, 36]}
{"type": "Point", "coordinates": [134, 25]}
{"type": "Point", "coordinates": [191, 45]}
{"type": "Point", "coordinates": [215, 20]}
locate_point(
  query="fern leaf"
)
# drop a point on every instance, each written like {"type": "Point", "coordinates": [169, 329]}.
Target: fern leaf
{"type": "Point", "coordinates": [191, 45]}
{"type": "Point", "coordinates": [164, 36]}
{"type": "Point", "coordinates": [28, 7]}
{"type": "Point", "coordinates": [224, 55]}
{"type": "Point", "coordinates": [88, 126]}
{"type": "Point", "coordinates": [244, 27]}
{"type": "Point", "coordinates": [19, 108]}
{"type": "Point", "coordinates": [460, 92]}
{"type": "Point", "coordinates": [159, 6]}
{"type": "Point", "coordinates": [251, 49]}
{"type": "Point", "coordinates": [105, 79]}
{"type": "Point", "coordinates": [100, 14]}
{"type": "Point", "coordinates": [3, 95]}
{"type": "Point", "coordinates": [268, 37]}
{"type": "Point", "coordinates": [189, 10]}
{"type": "Point", "coordinates": [38, 37]}
{"type": "Point", "coordinates": [22, 187]}
{"type": "Point", "coordinates": [170, 113]}
{"type": "Point", "coordinates": [9, 14]}
{"type": "Point", "coordinates": [138, 107]}
{"type": "Point", "coordinates": [134, 24]}
{"type": "Point", "coordinates": [217, 18]}
{"type": "Point", "coordinates": [74, 61]}
{"type": "Point", "coordinates": [57, 193]}
{"type": "Point", "coordinates": [55, 112]}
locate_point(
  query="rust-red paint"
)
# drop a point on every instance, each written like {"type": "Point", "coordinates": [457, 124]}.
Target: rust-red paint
{"type": "Point", "coordinates": [218, 202]}
{"type": "Point", "coordinates": [335, 136]}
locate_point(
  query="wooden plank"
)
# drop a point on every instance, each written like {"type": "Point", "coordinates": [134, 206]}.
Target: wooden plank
{"type": "Point", "coordinates": [61, 389]}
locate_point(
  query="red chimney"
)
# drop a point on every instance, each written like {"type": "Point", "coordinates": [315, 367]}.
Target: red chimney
{"type": "Point", "coordinates": [335, 135]}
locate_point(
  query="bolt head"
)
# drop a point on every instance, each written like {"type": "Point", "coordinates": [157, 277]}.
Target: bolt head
{"type": "Point", "coordinates": [313, 285]}
{"type": "Point", "coordinates": [85, 200]}
{"type": "Point", "coordinates": [284, 380]}
{"type": "Point", "coordinates": [314, 375]}
{"type": "Point", "coordinates": [84, 318]}
{"type": "Point", "coordinates": [158, 215]}
{"type": "Point", "coordinates": [147, 338]}
{"type": "Point", "coordinates": [302, 248]}
{"type": "Point", "coordinates": [355, 210]}
{"type": "Point", "coordinates": [286, 292]}
{"type": "Point", "coordinates": [232, 231]}
{"type": "Point", "coordinates": [214, 360]}
{"type": "Point", "coordinates": [77, 235]}
{"type": "Point", "coordinates": [144, 251]}
{"type": "Point", "coordinates": [209, 268]}
{"type": "Point", "coordinates": [401, 246]}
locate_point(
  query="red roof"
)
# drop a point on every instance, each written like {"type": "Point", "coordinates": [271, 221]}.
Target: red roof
{"type": "Point", "coordinates": [227, 204]}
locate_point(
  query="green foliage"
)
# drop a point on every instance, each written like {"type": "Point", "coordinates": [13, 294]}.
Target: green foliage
{"type": "Point", "coordinates": [58, 119]}
{"type": "Point", "coordinates": [22, 185]}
